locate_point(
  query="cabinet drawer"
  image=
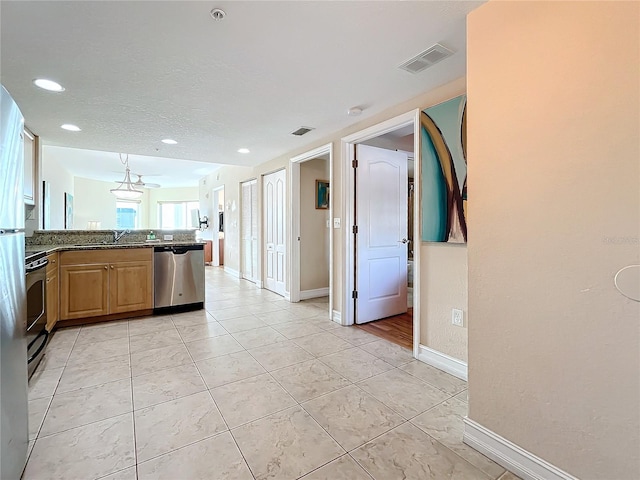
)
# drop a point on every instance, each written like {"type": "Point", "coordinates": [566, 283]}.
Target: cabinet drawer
{"type": "Point", "coordinates": [110, 255]}
{"type": "Point", "coordinates": [52, 266]}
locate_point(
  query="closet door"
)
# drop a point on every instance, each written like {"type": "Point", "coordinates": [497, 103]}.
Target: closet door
{"type": "Point", "coordinates": [274, 190]}
{"type": "Point", "coordinates": [249, 231]}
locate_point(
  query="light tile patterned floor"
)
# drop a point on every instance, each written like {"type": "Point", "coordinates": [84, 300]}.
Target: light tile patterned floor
{"type": "Point", "coordinates": [253, 387]}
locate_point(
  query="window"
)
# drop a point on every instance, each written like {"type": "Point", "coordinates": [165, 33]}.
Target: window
{"type": "Point", "coordinates": [127, 214]}
{"type": "Point", "coordinates": [178, 214]}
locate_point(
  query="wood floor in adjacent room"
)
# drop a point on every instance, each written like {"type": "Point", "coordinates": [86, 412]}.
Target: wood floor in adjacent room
{"type": "Point", "coordinates": [397, 329]}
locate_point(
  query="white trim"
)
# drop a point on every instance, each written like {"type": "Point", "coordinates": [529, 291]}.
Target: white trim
{"type": "Point", "coordinates": [411, 117]}
{"type": "Point", "coordinates": [337, 317]}
{"type": "Point", "coordinates": [294, 221]}
{"type": "Point", "coordinates": [444, 362]}
{"type": "Point", "coordinates": [232, 271]}
{"type": "Point", "coordinates": [315, 293]}
{"type": "Point", "coordinates": [287, 296]}
{"type": "Point", "coordinates": [259, 284]}
{"type": "Point", "coordinates": [512, 457]}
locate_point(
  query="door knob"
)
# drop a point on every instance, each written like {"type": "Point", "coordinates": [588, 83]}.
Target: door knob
{"type": "Point", "coordinates": [404, 240]}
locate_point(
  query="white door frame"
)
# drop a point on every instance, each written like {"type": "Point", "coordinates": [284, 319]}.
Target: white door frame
{"type": "Point", "coordinates": [412, 117]}
{"type": "Point", "coordinates": [215, 247]}
{"type": "Point", "coordinates": [294, 220]}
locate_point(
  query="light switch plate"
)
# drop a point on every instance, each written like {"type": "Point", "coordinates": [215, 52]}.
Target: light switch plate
{"type": "Point", "coordinates": [336, 223]}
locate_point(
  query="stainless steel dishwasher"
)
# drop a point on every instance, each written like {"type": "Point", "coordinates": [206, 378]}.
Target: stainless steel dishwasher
{"type": "Point", "coordinates": [178, 276]}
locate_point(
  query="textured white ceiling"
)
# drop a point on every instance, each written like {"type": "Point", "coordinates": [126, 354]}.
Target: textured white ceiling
{"type": "Point", "coordinates": [136, 72]}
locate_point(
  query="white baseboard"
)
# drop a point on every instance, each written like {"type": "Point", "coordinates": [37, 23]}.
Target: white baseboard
{"type": "Point", "coordinates": [451, 365]}
{"type": "Point", "coordinates": [287, 296]}
{"type": "Point", "coordinates": [259, 284]}
{"type": "Point", "coordinates": [512, 457]}
{"type": "Point", "coordinates": [232, 272]}
{"type": "Point", "coordinates": [315, 293]}
{"type": "Point", "coordinates": [336, 316]}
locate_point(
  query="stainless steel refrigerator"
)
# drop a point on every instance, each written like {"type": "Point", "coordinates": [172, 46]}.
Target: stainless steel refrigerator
{"type": "Point", "coordinates": [13, 315]}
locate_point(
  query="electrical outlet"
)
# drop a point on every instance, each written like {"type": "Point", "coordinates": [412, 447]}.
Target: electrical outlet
{"type": "Point", "coordinates": [168, 238]}
{"type": "Point", "coordinates": [457, 317]}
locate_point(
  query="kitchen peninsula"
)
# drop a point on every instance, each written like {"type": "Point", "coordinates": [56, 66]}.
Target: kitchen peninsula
{"type": "Point", "coordinates": [102, 275]}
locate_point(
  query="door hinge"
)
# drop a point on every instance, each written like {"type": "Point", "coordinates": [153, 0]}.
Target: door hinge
{"type": "Point", "coordinates": [354, 229]}
{"type": "Point", "coordinates": [354, 294]}
{"type": "Point", "coordinates": [354, 163]}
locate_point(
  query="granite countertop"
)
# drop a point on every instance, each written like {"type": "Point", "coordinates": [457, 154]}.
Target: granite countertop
{"type": "Point", "coordinates": [32, 250]}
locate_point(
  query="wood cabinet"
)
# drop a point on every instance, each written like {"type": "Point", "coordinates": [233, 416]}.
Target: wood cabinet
{"type": "Point", "coordinates": [130, 286]}
{"type": "Point", "coordinates": [96, 283]}
{"type": "Point", "coordinates": [84, 291]}
{"type": "Point", "coordinates": [208, 251]}
{"type": "Point", "coordinates": [52, 292]}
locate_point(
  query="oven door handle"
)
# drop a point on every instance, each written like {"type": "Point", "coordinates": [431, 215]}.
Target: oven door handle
{"type": "Point", "coordinates": [44, 263]}
{"type": "Point", "coordinates": [41, 347]}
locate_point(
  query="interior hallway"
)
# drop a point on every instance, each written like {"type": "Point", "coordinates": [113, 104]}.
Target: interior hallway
{"type": "Point", "coordinates": [255, 387]}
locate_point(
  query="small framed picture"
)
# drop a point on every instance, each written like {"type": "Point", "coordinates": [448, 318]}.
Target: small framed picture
{"type": "Point", "coordinates": [68, 211]}
{"type": "Point", "coordinates": [322, 194]}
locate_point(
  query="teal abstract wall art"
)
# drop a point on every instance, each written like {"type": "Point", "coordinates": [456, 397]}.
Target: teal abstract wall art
{"type": "Point", "coordinates": [444, 171]}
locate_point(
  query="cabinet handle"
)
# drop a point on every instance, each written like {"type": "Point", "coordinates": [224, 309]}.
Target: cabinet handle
{"type": "Point", "coordinates": [105, 267]}
{"type": "Point", "coordinates": [111, 267]}
{"type": "Point", "coordinates": [48, 280]}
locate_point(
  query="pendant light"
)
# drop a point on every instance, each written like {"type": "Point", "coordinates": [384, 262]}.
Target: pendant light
{"type": "Point", "coordinates": [126, 190]}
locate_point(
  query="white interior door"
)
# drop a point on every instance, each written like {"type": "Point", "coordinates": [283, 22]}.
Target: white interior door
{"type": "Point", "coordinates": [381, 245]}
{"type": "Point", "coordinates": [274, 229]}
{"type": "Point", "coordinates": [250, 230]}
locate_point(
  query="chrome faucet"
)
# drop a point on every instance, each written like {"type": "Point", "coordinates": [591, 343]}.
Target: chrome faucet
{"type": "Point", "coordinates": [118, 235]}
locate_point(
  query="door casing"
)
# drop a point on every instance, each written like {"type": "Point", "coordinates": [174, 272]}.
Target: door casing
{"type": "Point", "coordinates": [294, 221]}
{"type": "Point", "coordinates": [348, 204]}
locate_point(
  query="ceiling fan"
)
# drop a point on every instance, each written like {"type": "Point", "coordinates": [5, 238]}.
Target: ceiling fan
{"type": "Point", "coordinates": [140, 183]}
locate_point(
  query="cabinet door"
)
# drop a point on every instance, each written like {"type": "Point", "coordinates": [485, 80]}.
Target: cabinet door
{"type": "Point", "coordinates": [84, 291]}
{"type": "Point", "coordinates": [30, 158]}
{"type": "Point", "coordinates": [130, 286]}
{"type": "Point", "coordinates": [52, 299]}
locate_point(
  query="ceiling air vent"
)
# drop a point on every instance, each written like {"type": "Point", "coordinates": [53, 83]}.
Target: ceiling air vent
{"type": "Point", "coordinates": [427, 58]}
{"type": "Point", "coordinates": [301, 131]}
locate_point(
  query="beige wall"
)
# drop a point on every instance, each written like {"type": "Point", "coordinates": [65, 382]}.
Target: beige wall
{"type": "Point", "coordinates": [314, 234]}
{"type": "Point", "coordinates": [553, 132]}
{"type": "Point", "coordinates": [443, 287]}
{"type": "Point", "coordinates": [92, 201]}
{"type": "Point", "coordinates": [60, 181]}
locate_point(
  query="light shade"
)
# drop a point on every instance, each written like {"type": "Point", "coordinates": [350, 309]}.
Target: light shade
{"type": "Point", "coordinates": [126, 190]}
{"type": "Point", "coordinates": [126, 193]}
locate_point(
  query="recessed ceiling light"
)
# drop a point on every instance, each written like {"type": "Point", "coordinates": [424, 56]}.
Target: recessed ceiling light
{"type": "Point", "coordinates": [243, 150]}
{"type": "Point", "coordinates": [169, 141]}
{"type": "Point", "coordinates": [354, 111]}
{"type": "Point", "coordinates": [48, 85]}
{"type": "Point", "coordinates": [70, 127]}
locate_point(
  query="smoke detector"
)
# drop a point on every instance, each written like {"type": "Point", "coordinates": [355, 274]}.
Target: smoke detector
{"type": "Point", "coordinates": [424, 60]}
{"type": "Point", "coordinates": [217, 14]}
